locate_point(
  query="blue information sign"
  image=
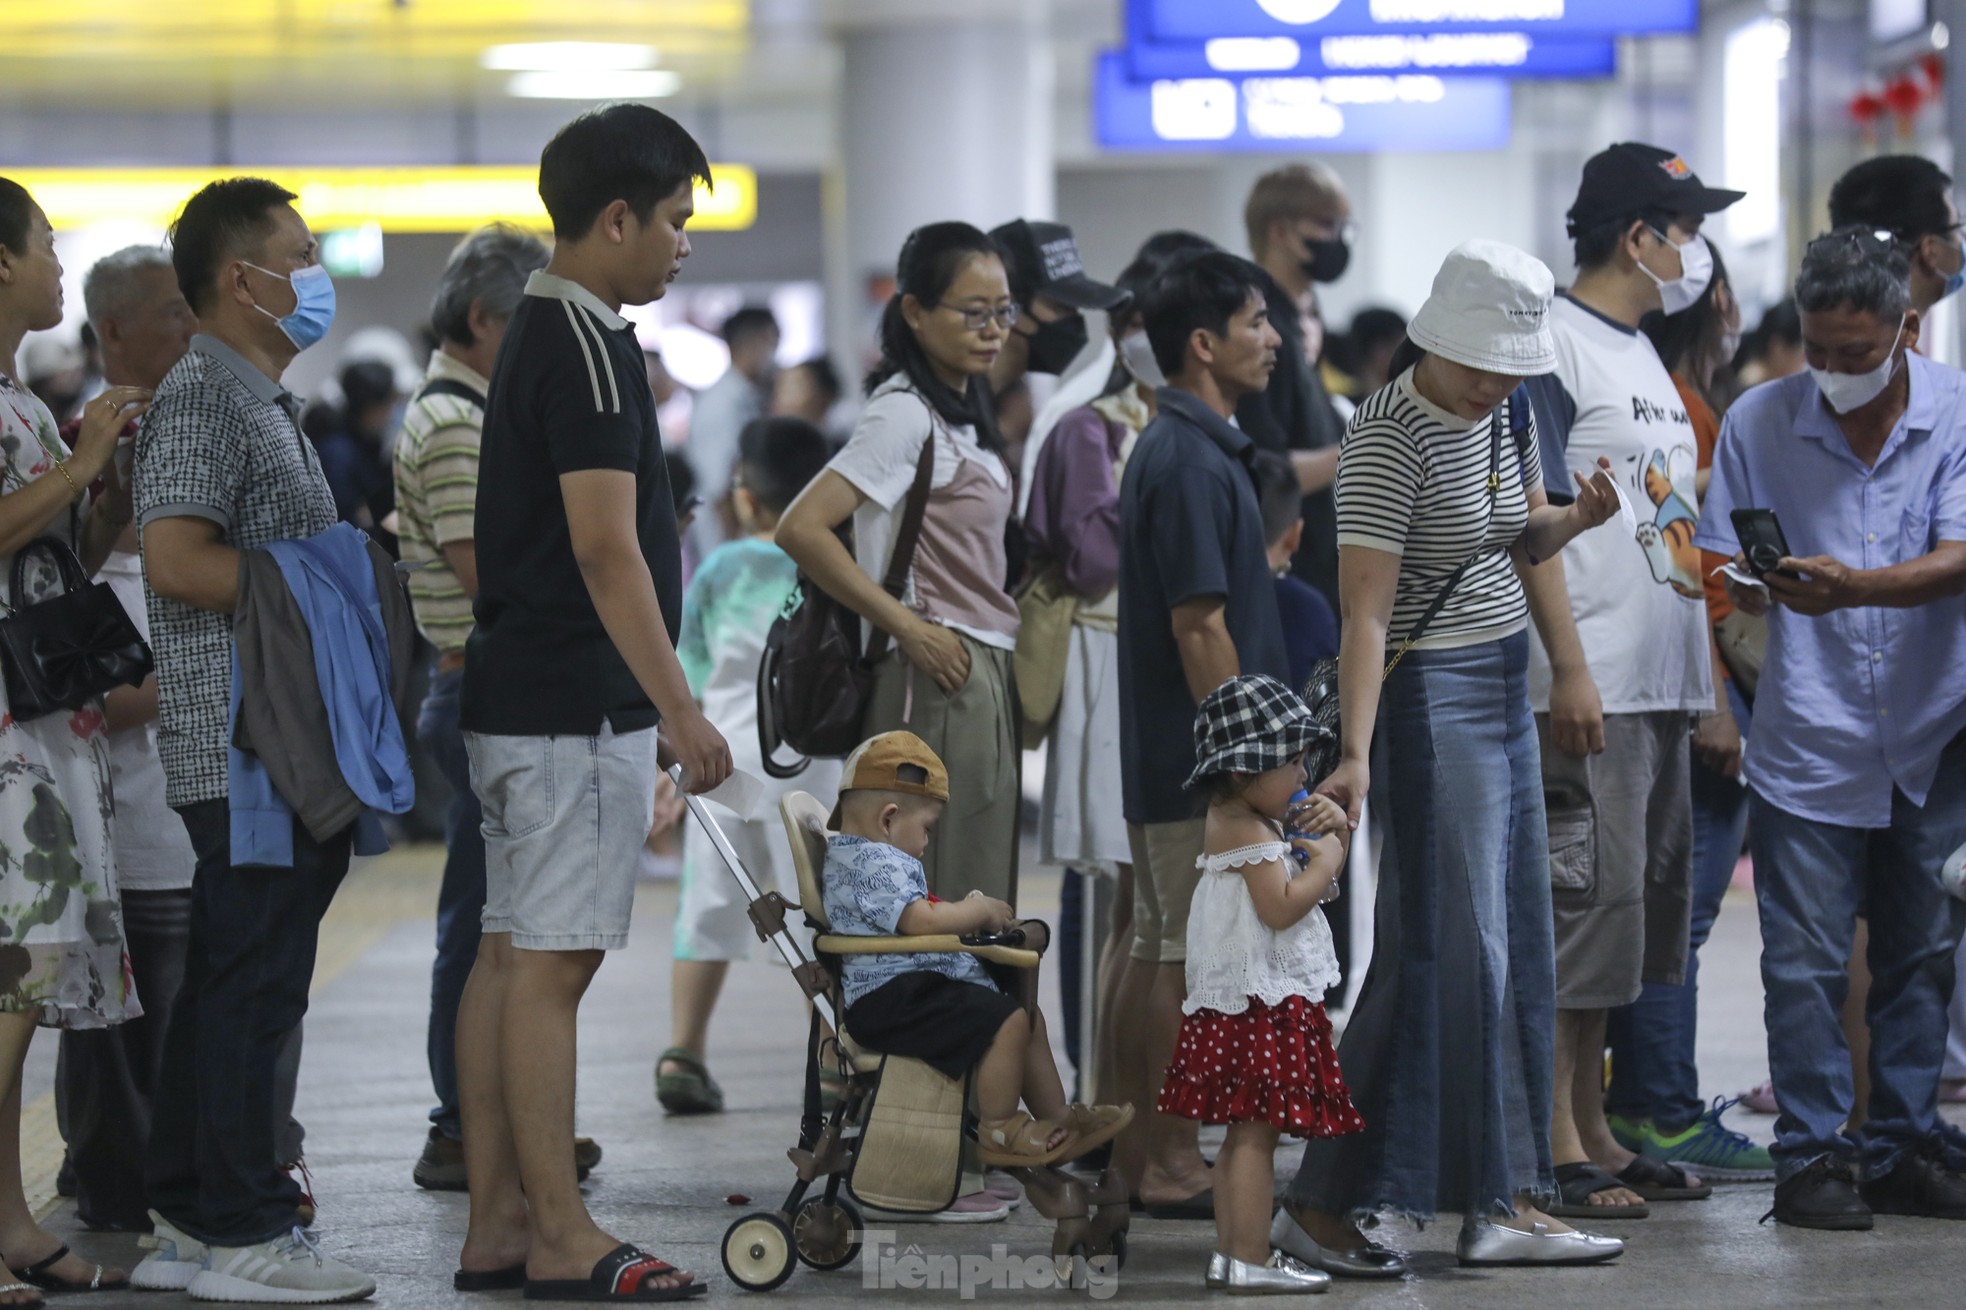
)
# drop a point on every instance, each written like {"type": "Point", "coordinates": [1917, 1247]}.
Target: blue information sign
{"type": "Point", "coordinates": [1444, 54]}
{"type": "Point", "coordinates": [1185, 22]}
{"type": "Point", "coordinates": [1407, 111]}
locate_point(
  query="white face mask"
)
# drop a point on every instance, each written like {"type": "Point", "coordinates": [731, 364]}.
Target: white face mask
{"type": "Point", "coordinates": [1695, 272]}
{"type": "Point", "coordinates": [1844, 392]}
{"type": "Point", "coordinates": [1137, 353]}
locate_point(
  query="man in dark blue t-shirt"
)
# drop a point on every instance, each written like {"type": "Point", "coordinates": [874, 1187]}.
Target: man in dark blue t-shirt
{"type": "Point", "coordinates": [570, 668]}
{"type": "Point", "coordinates": [1196, 609]}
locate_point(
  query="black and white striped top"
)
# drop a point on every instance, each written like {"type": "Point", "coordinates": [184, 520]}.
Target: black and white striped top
{"type": "Point", "coordinates": [1413, 481]}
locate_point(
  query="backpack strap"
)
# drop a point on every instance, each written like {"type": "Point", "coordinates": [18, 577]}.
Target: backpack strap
{"type": "Point", "coordinates": [913, 512]}
{"type": "Point", "coordinates": [451, 387]}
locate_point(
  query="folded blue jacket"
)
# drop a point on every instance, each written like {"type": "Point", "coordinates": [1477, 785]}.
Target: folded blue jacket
{"type": "Point", "coordinates": [333, 582]}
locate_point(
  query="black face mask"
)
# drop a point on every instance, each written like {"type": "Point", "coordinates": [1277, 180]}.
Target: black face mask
{"type": "Point", "coordinates": [1055, 345]}
{"type": "Point", "coordinates": [1326, 260]}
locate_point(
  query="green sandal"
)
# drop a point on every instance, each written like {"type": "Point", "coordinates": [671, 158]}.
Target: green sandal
{"type": "Point", "coordinates": [693, 1091]}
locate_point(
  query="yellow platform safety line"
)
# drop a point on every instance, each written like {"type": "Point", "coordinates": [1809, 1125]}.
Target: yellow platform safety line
{"type": "Point", "coordinates": [380, 894]}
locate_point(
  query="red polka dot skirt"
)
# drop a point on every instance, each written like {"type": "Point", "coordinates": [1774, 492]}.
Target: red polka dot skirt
{"type": "Point", "coordinates": [1270, 1064]}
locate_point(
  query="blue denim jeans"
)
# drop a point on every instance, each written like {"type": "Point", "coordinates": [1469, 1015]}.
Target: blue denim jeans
{"type": "Point", "coordinates": [1449, 1050]}
{"type": "Point", "coordinates": [1655, 1072]}
{"type": "Point", "coordinates": [1809, 879]}
{"type": "Point", "coordinates": [461, 902]}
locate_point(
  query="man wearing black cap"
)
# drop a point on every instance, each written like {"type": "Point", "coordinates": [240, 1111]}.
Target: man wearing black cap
{"type": "Point", "coordinates": [1627, 661]}
{"type": "Point", "coordinates": [1048, 281]}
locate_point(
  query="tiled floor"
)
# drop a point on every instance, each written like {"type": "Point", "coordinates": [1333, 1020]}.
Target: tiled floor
{"type": "Point", "coordinates": [667, 1182]}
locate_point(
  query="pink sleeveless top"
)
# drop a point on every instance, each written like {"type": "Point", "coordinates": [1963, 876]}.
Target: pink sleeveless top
{"type": "Point", "coordinates": [959, 561]}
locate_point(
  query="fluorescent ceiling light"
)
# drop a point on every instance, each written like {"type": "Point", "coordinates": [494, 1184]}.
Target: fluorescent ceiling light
{"type": "Point", "coordinates": [404, 198]}
{"type": "Point", "coordinates": [618, 84]}
{"type": "Point", "coordinates": [566, 56]}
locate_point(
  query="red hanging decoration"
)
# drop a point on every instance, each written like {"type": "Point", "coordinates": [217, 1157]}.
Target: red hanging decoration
{"type": "Point", "coordinates": [1933, 65]}
{"type": "Point", "coordinates": [1904, 97]}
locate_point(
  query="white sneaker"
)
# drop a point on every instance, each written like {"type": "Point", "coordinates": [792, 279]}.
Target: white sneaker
{"type": "Point", "coordinates": [174, 1258]}
{"type": "Point", "coordinates": [289, 1270]}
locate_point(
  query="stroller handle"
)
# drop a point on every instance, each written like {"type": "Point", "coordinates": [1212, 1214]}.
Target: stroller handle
{"type": "Point", "coordinates": [786, 945]}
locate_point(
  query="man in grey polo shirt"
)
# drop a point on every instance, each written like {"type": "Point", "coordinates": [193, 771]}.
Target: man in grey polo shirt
{"type": "Point", "coordinates": [221, 468]}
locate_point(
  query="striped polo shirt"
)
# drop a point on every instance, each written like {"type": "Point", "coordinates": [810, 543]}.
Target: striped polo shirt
{"type": "Point", "coordinates": [436, 496]}
{"type": "Point", "coordinates": [569, 394]}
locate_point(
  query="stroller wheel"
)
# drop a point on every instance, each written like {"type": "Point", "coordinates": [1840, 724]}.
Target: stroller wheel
{"type": "Point", "coordinates": [826, 1233]}
{"type": "Point", "coordinates": [758, 1252]}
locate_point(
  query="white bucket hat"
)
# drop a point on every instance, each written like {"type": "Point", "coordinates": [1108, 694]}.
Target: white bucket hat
{"type": "Point", "coordinates": [1490, 309]}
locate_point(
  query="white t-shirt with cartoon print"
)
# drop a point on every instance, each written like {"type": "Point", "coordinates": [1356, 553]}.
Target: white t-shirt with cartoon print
{"type": "Point", "coordinates": [1636, 595]}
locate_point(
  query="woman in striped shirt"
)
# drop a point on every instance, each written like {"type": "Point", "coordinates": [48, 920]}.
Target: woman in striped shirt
{"type": "Point", "coordinates": [1440, 515]}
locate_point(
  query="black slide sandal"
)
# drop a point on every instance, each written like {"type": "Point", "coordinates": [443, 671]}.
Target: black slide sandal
{"type": "Point", "coordinates": [1200, 1206]}
{"type": "Point", "coordinates": [619, 1276]}
{"type": "Point", "coordinates": [509, 1279]}
{"type": "Point", "coordinates": [1577, 1183]}
{"type": "Point", "coordinates": [1655, 1180]}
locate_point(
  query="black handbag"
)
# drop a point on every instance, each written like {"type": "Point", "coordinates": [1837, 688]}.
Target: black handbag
{"type": "Point", "coordinates": [63, 652]}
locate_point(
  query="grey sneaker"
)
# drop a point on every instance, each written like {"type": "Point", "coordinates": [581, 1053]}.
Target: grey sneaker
{"type": "Point", "coordinates": [174, 1258]}
{"type": "Point", "coordinates": [289, 1270]}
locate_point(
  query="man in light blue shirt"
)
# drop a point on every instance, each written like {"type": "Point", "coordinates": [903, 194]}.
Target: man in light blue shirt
{"type": "Point", "coordinates": [1857, 764]}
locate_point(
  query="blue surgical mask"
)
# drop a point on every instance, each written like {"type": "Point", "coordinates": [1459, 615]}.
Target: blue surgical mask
{"type": "Point", "coordinates": [313, 311]}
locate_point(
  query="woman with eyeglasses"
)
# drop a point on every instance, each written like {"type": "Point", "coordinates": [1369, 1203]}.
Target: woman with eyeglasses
{"type": "Point", "coordinates": [945, 675]}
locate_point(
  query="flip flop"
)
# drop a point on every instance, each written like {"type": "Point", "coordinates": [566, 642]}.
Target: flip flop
{"type": "Point", "coordinates": [37, 1275]}
{"type": "Point", "coordinates": [1655, 1180]}
{"type": "Point", "coordinates": [693, 1091]}
{"type": "Point", "coordinates": [1199, 1206]}
{"type": "Point", "coordinates": [7, 1289]}
{"type": "Point", "coordinates": [1577, 1183]}
{"type": "Point", "coordinates": [509, 1279]}
{"type": "Point", "coordinates": [620, 1277]}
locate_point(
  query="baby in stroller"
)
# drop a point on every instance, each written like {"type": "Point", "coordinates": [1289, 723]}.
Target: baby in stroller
{"type": "Point", "coordinates": [942, 1008]}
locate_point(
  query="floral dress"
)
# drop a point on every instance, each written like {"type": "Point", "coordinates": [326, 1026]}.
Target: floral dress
{"type": "Point", "coordinates": [62, 952]}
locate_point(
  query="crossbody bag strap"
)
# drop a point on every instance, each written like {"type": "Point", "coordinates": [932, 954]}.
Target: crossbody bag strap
{"type": "Point", "coordinates": [903, 559]}
{"type": "Point", "coordinates": [1454, 579]}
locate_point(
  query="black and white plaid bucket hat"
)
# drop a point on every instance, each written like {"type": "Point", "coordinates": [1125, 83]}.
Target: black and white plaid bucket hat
{"type": "Point", "coordinates": [1252, 724]}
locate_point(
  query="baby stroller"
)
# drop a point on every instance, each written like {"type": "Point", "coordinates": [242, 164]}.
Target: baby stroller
{"type": "Point", "coordinates": [895, 1140]}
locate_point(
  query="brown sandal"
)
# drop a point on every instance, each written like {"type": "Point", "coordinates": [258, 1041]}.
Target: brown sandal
{"type": "Point", "coordinates": [1092, 1126]}
{"type": "Point", "coordinates": [1021, 1142]}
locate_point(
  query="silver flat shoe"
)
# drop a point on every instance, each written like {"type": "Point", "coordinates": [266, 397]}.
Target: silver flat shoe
{"type": "Point", "coordinates": [1280, 1276]}
{"type": "Point", "coordinates": [1369, 1261]}
{"type": "Point", "coordinates": [1218, 1271]}
{"type": "Point", "coordinates": [1485, 1243]}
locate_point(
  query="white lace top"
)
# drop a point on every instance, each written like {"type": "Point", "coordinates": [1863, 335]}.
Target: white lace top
{"type": "Point", "coordinates": [1232, 956]}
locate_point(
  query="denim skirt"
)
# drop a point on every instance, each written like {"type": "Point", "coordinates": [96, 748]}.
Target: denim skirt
{"type": "Point", "coordinates": [1448, 1051]}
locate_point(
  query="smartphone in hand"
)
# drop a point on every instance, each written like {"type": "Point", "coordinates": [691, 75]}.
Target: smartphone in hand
{"type": "Point", "coordinates": [1762, 541]}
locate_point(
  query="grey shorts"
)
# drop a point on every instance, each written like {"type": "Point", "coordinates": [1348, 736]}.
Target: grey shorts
{"type": "Point", "coordinates": [1164, 882]}
{"type": "Point", "coordinates": [1621, 858]}
{"type": "Point", "coordinates": [565, 819]}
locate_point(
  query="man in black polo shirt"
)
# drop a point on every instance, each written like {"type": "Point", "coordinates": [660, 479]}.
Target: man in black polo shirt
{"type": "Point", "coordinates": [1197, 607]}
{"type": "Point", "coordinates": [569, 670]}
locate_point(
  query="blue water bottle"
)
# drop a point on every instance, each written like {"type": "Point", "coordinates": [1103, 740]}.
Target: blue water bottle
{"type": "Point", "coordinates": [1303, 856]}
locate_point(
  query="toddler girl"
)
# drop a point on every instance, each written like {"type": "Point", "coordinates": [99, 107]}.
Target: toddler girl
{"type": "Point", "coordinates": [1255, 1048]}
